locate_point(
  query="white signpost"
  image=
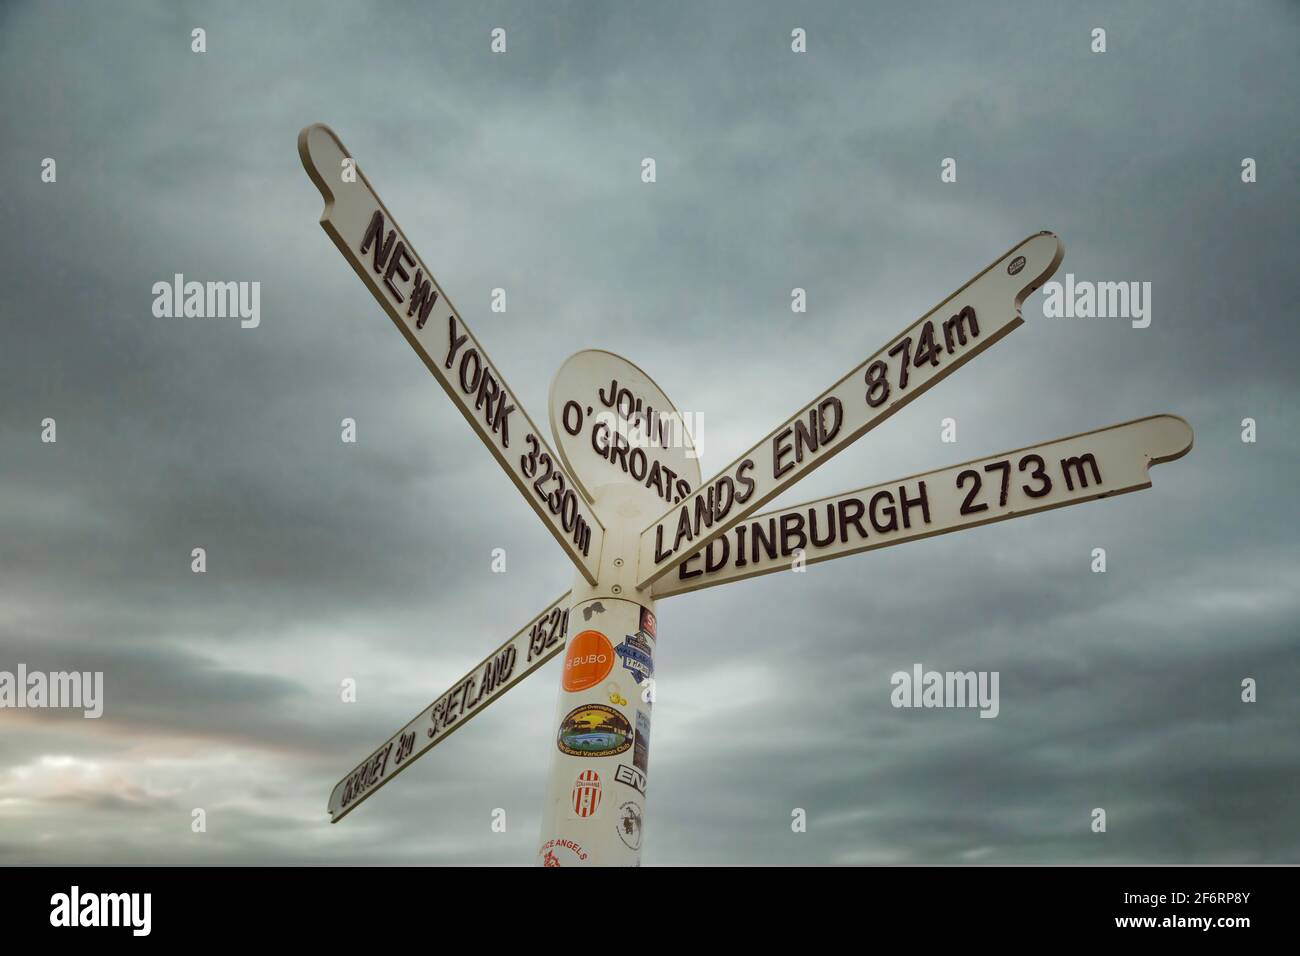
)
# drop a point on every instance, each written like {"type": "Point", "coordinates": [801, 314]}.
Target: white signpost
{"type": "Point", "coordinates": [622, 495]}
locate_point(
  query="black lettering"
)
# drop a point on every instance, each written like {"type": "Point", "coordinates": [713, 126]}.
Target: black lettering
{"type": "Point", "coordinates": [830, 526]}
{"type": "Point", "coordinates": [632, 461]}
{"type": "Point", "coordinates": [907, 504]}
{"type": "Point", "coordinates": [660, 553]}
{"type": "Point", "coordinates": [778, 450]}
{"type": "Point", "coordinates": [768, 541]}
{"type": "Point", "coordinates": [826, 435]}
{"type": "Point", "coordinates": [955, 324]}
{"type": "Point", "coordinates": [501, 422]}
{"type": "Point", "coordinates": [844, 506]}
{"type": "Point", "coordinates": [373, 233]}
{"type": "Point", "coordinates": [1077, 464]}
{"type": "Point", "coordinates": [571, 407]}
{"type": "Point", "coordinates": [608, 400]}
{"type": "Point", "coordinates": [600, 440]}
{"type": "Point", "coordinates": [710, 564]}
{"type": "Point", "coordinates": [618, 450]}
{"type": "Point", "coordinates": [656, 480]}
{"type": "Point", "coordinates": [487, 383]}
{"type": "Point", "coordinates": [968, 506]}
{"type": "Point", "coordinates": [805, 436]}
{"type": "Point", "coordinates": [454, 343]}
{"type": "Point", "coordinates": [792, 527]}
{"type": "Point", "coordinates": [1039, 473]}
{"type": "Point", "coordinates": [470, 386]}
{"type": "Point", "coordinates": [423, 295]}
{"type": "Point", "coordinates": [704, 510]}
{"type": "Point", "coordinates": [724, 483]}
{"type": "Point", "coordinates": [746, 465]}
{"type": "Point", "coordinates": [683, 527]}
{"type": "Point", "coordinates": [874, 516]}
{"type": "Point", "coordinates": [683, 572]}
{"type": "Point", "coordinates": [395, 268]}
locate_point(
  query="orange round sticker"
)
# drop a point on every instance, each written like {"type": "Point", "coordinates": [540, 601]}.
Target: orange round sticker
{"type": "Point", "coordinates": [587, 660]}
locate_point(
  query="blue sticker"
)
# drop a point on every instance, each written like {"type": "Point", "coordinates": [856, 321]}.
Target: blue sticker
{"type": "Point", "coordinates": [635, 655]}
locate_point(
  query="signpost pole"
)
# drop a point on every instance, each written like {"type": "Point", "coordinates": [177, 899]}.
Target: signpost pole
{"type": "Point", "coordinates": [594, 806]}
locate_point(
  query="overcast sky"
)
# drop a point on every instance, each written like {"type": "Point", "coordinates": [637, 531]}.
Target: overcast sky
{"type": "Point", "coordinates": [775, 170]}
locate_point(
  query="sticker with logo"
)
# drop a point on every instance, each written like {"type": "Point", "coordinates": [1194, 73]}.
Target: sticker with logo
{"type": "Point", "coordinates": [631, 776]}
{"type": "Point", "coordinates": [648, 622]}
{"type": "Point", "coordinates": [561, 853]}
{"type": "Point", "coordinates": [641, 749]}
{"type": "Point", "coordinates": [637, 656]}
{"type": "Point", "coordinates": [615, 698]}
{"type": "Point", "coordinates": [586, 794]}
{"type": "Point", "coordinates": [594, 730]}
{"type": "Point", "coordinates": [629, 824]}
{"type": "Point", "coordinates": [587, 661]}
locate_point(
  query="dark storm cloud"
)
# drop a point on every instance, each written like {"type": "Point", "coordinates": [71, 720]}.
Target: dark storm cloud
{"type": "Point", "coordinates": [371, 562]}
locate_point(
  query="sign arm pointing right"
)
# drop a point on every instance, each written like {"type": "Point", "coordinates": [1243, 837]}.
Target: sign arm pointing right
{"type": "Point", "coordinates": [952, 333]}
{"type": "Point", "coordinates": [1068, 471]}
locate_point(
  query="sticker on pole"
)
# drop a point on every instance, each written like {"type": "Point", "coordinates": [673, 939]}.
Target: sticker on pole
{"type": "Point", "coordinates": [613, 425]}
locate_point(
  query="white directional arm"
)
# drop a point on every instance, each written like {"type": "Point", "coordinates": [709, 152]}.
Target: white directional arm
{"type": "Point", "coordinates": [1067, 471]}
{"type": "Point", "coordinates": [529, 649]}
{"type": "Point", "coordinates": [381, 254]}
{"type": "Point", "coordinates": [948, 336]}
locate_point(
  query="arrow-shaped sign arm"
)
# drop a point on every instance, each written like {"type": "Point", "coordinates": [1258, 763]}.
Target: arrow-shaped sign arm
{"type": "Point", "coordinates": [368, 235]}
{"type": "Point", "coordinates": [1067, 471]}
{"type": "Point", "coordinates": [535, 644]}
{"type": "Point", "coordinates": [948, 336]}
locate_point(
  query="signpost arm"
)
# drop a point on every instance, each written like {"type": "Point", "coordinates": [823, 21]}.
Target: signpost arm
{"type": "Point", "coordinates": [952, 333]}
{"type": "Point", "coordinates": [1098, 464]}
{"type": "Point", "coordinates": [531, 647]}
{"type": "Point", "coordinates": [368, 236]}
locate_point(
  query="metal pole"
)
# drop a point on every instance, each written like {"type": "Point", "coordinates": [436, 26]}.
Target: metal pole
{"type": "Point", "coordinates": [594, 805]}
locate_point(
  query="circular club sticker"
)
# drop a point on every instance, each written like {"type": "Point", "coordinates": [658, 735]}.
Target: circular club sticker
{"type": "Point", "coordinates": [587, 660]}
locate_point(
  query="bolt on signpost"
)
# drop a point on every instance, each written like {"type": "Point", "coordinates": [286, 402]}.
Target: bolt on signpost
{"type": "Point", "coordinates": [623, 497]}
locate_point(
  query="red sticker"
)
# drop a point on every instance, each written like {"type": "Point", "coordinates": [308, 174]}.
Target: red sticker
{"type": "Point", "coordinates": [586, 793]}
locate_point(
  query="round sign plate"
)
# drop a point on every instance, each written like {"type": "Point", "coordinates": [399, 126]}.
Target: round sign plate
{"type": "Point", "coordinates": [614, 426]}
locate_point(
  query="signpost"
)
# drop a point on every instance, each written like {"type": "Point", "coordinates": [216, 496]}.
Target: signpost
{"type": "Point", "coordinates": [622, 495]}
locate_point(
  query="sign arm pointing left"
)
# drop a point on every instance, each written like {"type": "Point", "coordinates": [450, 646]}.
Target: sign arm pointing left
{"type": "Point", "coordinates": [367, 234]}
{"type": "Point", "coordinates": [534, 644]}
